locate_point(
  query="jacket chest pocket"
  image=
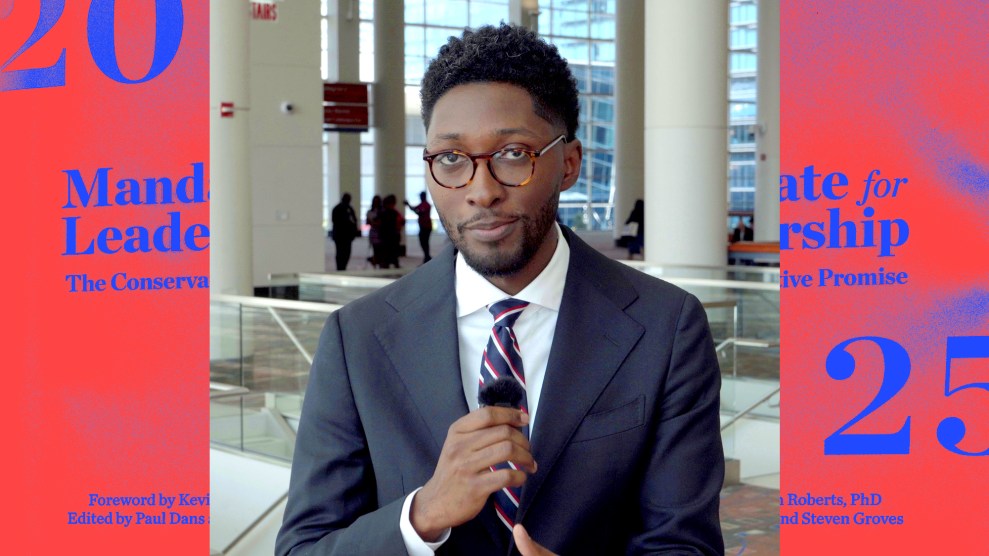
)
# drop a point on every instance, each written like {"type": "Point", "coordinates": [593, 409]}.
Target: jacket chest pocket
{"type": "Point", "coordinates": [608, 422]}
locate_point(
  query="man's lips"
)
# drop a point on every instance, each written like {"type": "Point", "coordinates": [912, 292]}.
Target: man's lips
{"type": "Point", "coordinates": [491, 229]}
{"type": "Point", "coordinates": [489, 224]}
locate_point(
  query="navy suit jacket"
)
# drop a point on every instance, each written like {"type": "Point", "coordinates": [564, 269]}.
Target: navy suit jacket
{"type": "Point", "coordinates": [627, 439]}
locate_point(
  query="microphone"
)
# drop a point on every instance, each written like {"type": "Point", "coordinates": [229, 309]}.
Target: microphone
{"type": "Point", "coordinates": [502, 392]}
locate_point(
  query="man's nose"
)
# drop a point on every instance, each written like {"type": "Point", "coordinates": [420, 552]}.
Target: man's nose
{"type": "Point", "coordinates": [484, 190]}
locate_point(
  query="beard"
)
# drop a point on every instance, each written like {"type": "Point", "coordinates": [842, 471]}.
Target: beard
{"type": "Point", "coordinates": [506, 259]}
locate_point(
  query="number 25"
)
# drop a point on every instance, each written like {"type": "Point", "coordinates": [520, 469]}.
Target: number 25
{"type": "Point", "coordinates": [840, 365]}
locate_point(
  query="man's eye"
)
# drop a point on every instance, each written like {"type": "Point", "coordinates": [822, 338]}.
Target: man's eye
{"type": "Point", "coordinates": [512, 155]}
{"type": "Point", "coordinates": [451, 159]}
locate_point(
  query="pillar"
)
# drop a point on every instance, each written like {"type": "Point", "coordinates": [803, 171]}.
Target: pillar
{"type": "Point", "coordinates": [389, 99]}
{"type": "Point", "coordinates": [766, 223]}
{"type": "Point", "coordinates": [686, 91]}
{"type": "Point", "coordinates": [629, 165]}
{"type": "Point", "coordinates": [342, 157]}
{"type": "Point", "coordinates": [231, 245]}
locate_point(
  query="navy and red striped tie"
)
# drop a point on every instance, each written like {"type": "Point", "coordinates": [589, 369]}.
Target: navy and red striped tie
{"type": "Point", "coordinates": [501, 359]}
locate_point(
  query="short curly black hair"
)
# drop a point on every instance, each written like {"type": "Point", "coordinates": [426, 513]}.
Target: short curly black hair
{"type": "Point", "coordinates": [505, 54]}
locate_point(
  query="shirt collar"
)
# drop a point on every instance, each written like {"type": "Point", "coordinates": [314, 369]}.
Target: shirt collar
{"type": "Point", "coordinates": [475, 292]}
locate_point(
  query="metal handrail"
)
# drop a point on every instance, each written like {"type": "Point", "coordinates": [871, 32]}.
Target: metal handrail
{"type": "Point", "coordinates": [254, 523]}
{"type": "Point", "coordinates": [266, 302]}
{"type": "Point", "coordinates": [746, 342]}
{"type": "Point", "coordinates": [271, 304]}
{"type": "Point", "coordinates": [749, 409]}
{"type": "Point", "coordinates": [291, 335]}
{"type": "Point", "coordinates": [727, 284]}
{"type": "Point", "coordinates": [719, 304]}
{"type": "Point", "coordinates": [352, 279]}
{"type": "Point", "coordinates": [764, 270]}
{"type": "Point", "coordinates": [222, 390]}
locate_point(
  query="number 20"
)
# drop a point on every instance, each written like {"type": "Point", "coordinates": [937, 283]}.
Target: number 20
{"type": "Point", "coordinates": [840, 365]}
{"type": "Point", "coordinates": [102, 46]}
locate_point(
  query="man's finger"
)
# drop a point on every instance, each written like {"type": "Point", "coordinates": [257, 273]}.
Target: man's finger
{"type": "Point", "coordinates": [501, 452]}
{"type": "Point", "coordinates": [486, 417]}
{"type": "Point", "coordinates": [486, 437]}
{"type": "Point", "coordinates": [490, 482]}
{"type": "Point", "coordinates": [525, 544]}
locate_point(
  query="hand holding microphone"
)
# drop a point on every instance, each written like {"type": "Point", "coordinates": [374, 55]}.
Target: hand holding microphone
{"type": "Point", "coordinates": [463, 480]}
{"type": "Point", "coordinates": [507, 392]}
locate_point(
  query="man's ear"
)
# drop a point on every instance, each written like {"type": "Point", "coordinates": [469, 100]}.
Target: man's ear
{"type": "Point", "coordinates": [573, 153]}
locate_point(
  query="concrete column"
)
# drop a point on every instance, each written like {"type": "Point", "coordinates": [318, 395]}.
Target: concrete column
{"type": "Point", "coordinates": [686, 76]}
{"type": "Point", "coordinates": [767, 165]}
{"type": "Point", "coordinates": [342, 157]}
{"type": "Point", "coordinates": [389, 98]}
{"type": "Point", "coordinates": [630, 50]}
{"type": "Point", "coordinates": [231, 245]}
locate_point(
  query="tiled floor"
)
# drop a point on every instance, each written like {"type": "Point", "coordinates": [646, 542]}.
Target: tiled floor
{"type": "Point", "coordinates": [765, 481]}
{"type": "Point", "coordinates": [750, 520]}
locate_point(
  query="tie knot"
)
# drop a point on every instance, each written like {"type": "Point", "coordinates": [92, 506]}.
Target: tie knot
{"type": "Point", "coordinates": [507, 311]}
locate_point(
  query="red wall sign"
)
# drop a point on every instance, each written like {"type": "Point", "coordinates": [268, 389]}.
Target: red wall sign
{"type": "Point", "coordinates": [346, 116]}
{"type": "Point", "coordinates": [354, 93]}
{"type": "Point", "coordinates": [264, 11]}
{"type": "Point", "coordinates": [345, 106]}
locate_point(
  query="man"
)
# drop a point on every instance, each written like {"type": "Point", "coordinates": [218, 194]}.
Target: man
{"type": "Point", "coordinates": [742, 231]}
{"type": "Point", "coordinates": [423, 210]}
{"type": "Point", "coordinates": [344, 230]}
{"type": "Point", "coordinates": [617, 449]}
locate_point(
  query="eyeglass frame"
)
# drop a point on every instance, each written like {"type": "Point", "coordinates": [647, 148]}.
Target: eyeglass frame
{"type": "Point", "coordinates": [533, 155]}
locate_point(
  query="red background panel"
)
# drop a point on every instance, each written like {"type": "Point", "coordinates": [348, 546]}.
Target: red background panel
{"type": "Point", "coordinates": [899, 88]}
{"type": "Point", "coordinates": [107, 390]}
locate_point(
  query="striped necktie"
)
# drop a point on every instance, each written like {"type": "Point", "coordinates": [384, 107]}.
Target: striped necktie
{"type": "Point", "coordinates": [501, 359]}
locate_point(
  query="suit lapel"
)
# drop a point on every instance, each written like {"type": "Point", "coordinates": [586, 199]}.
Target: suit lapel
{"type": "Point", "coordinates": [420, 340]}
{"type": "Point", "coordinates": [593, 336]}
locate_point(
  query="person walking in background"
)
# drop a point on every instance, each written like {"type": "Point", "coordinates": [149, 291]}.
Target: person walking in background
{"type": "Point", "coordinates": [344, 230]}
{"type": "Point", "coordinates": [373, 235]}
{"type": "Point", "coordinates": [742, 232]}
{"type": "Point", "coordinates": [635, 226]}
{"type": "Point", "coordinates": [390, 225]}
{"type": "Point", "coordinates": [423, 210]}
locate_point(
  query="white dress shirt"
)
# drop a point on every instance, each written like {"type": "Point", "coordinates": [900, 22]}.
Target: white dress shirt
{"type": "Point", "coordinates": [534, 330]}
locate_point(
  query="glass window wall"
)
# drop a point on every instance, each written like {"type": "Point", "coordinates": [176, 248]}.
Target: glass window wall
{"type": "Point", "coordinates": [742, 117]}
{"type": "Point", "coordinates": [584, 32]}
{"type": "Point", "coordinates": [428, 26]}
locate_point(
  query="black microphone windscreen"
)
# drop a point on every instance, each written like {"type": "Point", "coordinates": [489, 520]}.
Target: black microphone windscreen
{"type": "Point", "coordinates": [502, 392]}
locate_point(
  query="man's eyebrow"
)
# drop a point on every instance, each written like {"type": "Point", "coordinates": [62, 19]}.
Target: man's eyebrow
{"type": "Point", "coordinates": [516, 131]}
{"type": "Point", "coordinates": [454, 136]}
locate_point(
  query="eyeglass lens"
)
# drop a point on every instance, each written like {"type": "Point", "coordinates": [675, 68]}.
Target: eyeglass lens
{"type": "Point", "coordinates": [510, 167]}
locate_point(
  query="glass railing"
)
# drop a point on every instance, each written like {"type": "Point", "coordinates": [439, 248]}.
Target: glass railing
{"type": "Point", "coordinates": [339, 288]}
{"type": "Point", "coordinates": [755, 290]}
{"type": "Point", "coordinates": [260, 354]}
{"type": "Point", "coordinates": [748, 354]}
{"type": "Point", "coordinates": [742, 273]}
{"type": "Point", "coordinates": [265, 347]}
